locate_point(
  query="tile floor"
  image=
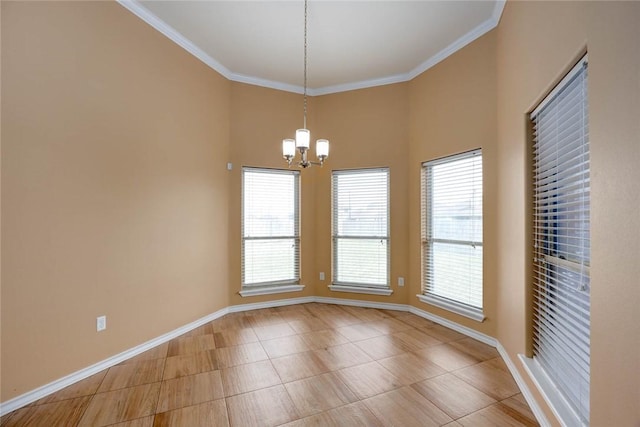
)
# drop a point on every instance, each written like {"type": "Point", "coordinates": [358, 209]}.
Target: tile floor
{"type": "Point", "coordinates": [300, 365]}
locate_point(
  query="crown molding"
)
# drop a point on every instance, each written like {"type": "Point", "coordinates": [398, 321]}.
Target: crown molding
{"type": "Point", "coordinates": [497, 12]}
{"type": "Point", "coordinates": [472, 35]}
{"type": "Point", "coordinates": [147, 16]}
{"type": "Point", "coordinates": [398, 78]}
{"type": "Point", "coordinates": [256, 81]}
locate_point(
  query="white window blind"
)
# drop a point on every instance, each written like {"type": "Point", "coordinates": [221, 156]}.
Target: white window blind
{"type": "Point", "coordinates": [270, 227]}
{"type": "Point", "coordinates": [452, 233]}
{"type": "Point", "coordinates": [561, 239]}
{"type": "Point", "coordinates": [361, 227]}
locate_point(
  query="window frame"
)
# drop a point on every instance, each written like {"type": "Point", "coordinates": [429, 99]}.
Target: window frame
{"type": "Point", "coordinates": [360, 287]}
{"type": "Point", "coordinates": [273, 286]}
{"type": "Point", "coordinates": [449, 304]}
{"type": "Point", "coordinates": [554, 267]}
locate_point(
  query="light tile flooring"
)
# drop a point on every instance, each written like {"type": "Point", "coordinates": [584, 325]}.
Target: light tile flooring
{"type": "Point", "coordinates": [301, 365]}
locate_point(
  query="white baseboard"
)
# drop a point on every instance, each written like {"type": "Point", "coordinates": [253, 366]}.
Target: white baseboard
{"type": "Point", "coordinates": [360, 290]}
{"type": "Point", "coordinates": [47, 389]}
{"type": "Point", "coordinates": [40, 392]}
{"type": "Point", "coordinates": [269, 304]}
{"type": "Point", "coordinates": [455, 326]}
{"type": "Point", "coordinates": [533, 404]}
{"type": "Point", "coordinates": [270, 290]}
{"type": "Point", "coordinates": [524, 389]}
{"type": "Point", "coordinates": [358, 303]}
{"type": "Point", "coordinates": [559, 405]}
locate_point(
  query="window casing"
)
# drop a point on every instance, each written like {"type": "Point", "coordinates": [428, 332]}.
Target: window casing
{"type": "Point", "coordinates": [361, 228]}
{"type": "Point", "coordinates": [270, 227]}
{"type": "Point", "coordinates": [561, 242]}
{"type": "Point", "coordinates": [452, 248]}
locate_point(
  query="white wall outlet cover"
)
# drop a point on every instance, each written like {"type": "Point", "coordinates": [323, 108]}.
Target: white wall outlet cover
{"type": "Point", "coordinates": [101, 323]}
{"type": "Point", "coordinates": [400, 281]}
{"type": "Point", "coordinates": [229, 166]}
{"type": "Point", "coordinates": [322, 275]}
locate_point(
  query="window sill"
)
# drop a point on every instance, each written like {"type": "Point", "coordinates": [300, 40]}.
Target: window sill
{"type": "Point", "coordinates": [558, 404]}
{"type": "Point", "coordinates": [361, 290]}
{"type": "Point", "coordinates": [461, 309]}
{"type": "Point", "coordinates": [267, 290]}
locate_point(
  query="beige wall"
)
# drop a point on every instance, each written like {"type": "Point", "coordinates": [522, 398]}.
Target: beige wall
{"type": "Point", "coordinates": [260, 119]}
{"type": "Point", "coordinates": [116, 199]}
{"type": "Point", "coordinates": [615, 136]}
{"type": "Point", "coordinates": [114, 187]}
{"type": "Point", "coordinates": [0, 211]}
{"type": "Point", "coordinates": [537, 43]}
{"type": "Point", "coordinates": [452, 110]}
{"type": "Point", "coordinates": [524, 76]}
{"type": "Point", "coordinates": [367, 128]}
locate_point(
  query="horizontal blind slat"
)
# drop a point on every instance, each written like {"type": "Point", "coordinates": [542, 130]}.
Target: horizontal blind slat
{"type": "Point", "coordinates": [270, 227]}
{"type": "Point", "coordinates": [561, 238]}
{"type": "Point", "coordinates": [360, 223]}
{"type": "Point", "coordinates": [451, 206]}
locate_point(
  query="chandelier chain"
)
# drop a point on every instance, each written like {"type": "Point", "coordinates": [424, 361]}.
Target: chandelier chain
{"type": "Point", "coordinates": [301, 142]}
{"type": "Point", "coordinates": [305, 65]}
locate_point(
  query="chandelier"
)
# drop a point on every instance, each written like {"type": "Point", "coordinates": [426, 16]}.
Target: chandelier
{"type": "Point", "coordinates": [303, 136]}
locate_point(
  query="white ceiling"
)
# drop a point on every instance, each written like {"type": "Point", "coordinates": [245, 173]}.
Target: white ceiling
{"type": "Point", "coordinates": [351, 44]}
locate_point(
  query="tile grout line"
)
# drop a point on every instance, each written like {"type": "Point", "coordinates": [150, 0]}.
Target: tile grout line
{"type": "Point", "coordinates": [164, 368]}
{"type": "Point", "coordinates": [333, 328]}
{"type": "Point", "coordinates": [93, 395]}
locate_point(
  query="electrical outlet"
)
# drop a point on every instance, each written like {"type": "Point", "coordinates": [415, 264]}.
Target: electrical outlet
{"type": "Point", "coordinates": [101, 323]}
{"type": "Point", "coordinates": [229, 166]}
{"type": "Point", "coordinates": [322, 275]}
{"type": "Point", "coordinates": [400, 281]}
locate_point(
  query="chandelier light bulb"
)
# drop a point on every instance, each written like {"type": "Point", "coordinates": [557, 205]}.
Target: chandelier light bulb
{"type": "Point", "coordinates": [322, 149]}
{"type": "Point", "coordinates": [288, 148]}
{"type": "Point", "coordinates": [302, 138]}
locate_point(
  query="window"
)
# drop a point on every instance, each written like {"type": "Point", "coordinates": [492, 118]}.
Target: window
{"type": "Point", "coordinates": [561, 241]}
{"type": "Point", "coordinates": [452, 233]}
{"type": "Point", "coordinates": [361, 231]}
{"type": "Point", "coordinates": [270, 228]}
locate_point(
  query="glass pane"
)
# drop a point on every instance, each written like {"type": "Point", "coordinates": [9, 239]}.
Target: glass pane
{"type": "Point", "coordinates": [270, 260]}
{"type": "Point", "coordinates": [456, 273]}
{"type": "Point", "coordinates": [362, 261]}
{"type": "Point", "coordinates": [361, 203]}
{"type": "Point", "coordinates": [571, 228]}
{"type": "Point", "coordinates": [269, 204]}
{"type": "Point", "coordinates": [456, 199]}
